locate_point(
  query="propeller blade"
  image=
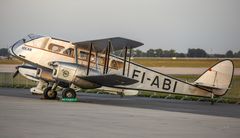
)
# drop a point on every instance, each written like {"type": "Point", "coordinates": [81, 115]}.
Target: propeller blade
{"type": "Point", "coordinates": [15, 74]}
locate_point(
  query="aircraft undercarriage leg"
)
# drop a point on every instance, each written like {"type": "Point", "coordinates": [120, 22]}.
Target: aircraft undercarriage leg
{"type": "Point", "coordinates": [39, 88]}
{"type": "Point", "coordinates": [121, 93]}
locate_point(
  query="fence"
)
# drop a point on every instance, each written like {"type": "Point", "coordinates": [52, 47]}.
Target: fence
{"type": "Point", "coordinates": [7, 80]}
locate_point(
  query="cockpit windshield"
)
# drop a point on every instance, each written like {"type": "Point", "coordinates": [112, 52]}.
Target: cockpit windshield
{"type": "Point", "coordinates": [27, 39]}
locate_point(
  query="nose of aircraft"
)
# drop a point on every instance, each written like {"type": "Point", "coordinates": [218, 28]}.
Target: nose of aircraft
{"type": "Point", "coordinates": [10, 50]}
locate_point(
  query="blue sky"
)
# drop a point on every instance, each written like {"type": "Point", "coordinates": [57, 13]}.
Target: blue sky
{"type": "Point", "coordinates": [213, 25]}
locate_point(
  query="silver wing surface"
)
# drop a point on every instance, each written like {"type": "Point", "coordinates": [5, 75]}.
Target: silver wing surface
{"type": "Point", "coordinates": [109, 79]}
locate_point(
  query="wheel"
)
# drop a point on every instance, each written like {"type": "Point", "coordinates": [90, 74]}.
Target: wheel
{"type": "Point", "coordinates": [121, 94]}
{"type": "Point", "coordinates": [68, 93]}
{"type": "Point", "coordinates": [49, 93]}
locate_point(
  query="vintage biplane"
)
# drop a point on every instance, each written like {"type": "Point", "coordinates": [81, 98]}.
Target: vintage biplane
{"type": "Point", "coordinates": [57, 63]}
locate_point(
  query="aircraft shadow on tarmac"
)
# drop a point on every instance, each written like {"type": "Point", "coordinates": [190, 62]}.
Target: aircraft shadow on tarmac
{"type": "Point", "coordinates": [203, 108]}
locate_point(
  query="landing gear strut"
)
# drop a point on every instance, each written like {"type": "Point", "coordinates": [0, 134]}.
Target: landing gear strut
{"type": "Point", "coordinates": [68, 93]}
{"type": "Point", "coordinates": [121, 93]}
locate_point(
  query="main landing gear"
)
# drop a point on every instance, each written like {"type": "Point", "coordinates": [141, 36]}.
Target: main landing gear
{"type": "Point", "coordinates": [121, 94]}
{"type": "Point", "coordinates": [51, 93]}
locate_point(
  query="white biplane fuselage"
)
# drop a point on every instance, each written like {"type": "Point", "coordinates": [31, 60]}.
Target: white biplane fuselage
{"type": "Point", "coordinates": [89, 64]}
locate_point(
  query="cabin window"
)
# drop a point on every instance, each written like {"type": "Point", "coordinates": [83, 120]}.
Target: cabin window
{"type": "Point", "coordinates": [69, 52]}
{"type": "Point", "coordinates": [55, 48]}
{"type": "Point", "coordinates": [114, 64]}
{"type": "Point", "coordinates": [101, 60]}
{"type": "Point", "coordinates": [85, 55]}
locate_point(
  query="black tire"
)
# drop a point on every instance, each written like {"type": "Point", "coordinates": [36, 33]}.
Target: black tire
{"type": "Point", "coordinates": [121, 94]}
{"type": "Point", "coordinates": [68, 93]}
{"type": "Point", "coordinates": [49, 93]}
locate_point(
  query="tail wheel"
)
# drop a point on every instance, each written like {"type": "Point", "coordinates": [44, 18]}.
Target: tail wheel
{"type": "Point", "coordinates": [49, 93]}
{"type": "Point", "coordinates": [68, 93]}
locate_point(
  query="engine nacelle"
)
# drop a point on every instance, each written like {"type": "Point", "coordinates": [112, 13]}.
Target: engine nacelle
{"type": "Point", "coordinates": [68, 72]}
{"type": "Point", "coordinates": [35, 74]}
{"type": "Point", "coordinates": [64, 72]}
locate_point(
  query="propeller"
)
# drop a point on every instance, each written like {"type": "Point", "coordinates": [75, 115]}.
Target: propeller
{"type": "Point", "coordinates": [16, 73]}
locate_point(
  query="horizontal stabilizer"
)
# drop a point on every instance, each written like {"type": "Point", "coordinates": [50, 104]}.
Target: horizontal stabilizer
{"type": "Point", "coordinates": [109, 79]}
{"type": "Point", "coordinates": [202, 85]}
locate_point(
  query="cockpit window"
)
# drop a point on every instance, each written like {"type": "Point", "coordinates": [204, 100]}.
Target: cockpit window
{"type": "Point", "coordinates": [55, 48]}
{"type": "Point", "coordinates": [69, 52]}
{"type": "Point", "coordinates": [34, 36]}
{"type": "Point", "coordinates": [26, 39]}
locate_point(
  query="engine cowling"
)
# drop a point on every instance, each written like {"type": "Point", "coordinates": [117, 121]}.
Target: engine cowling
{"type": "Point", "coordinates": [45, 75]}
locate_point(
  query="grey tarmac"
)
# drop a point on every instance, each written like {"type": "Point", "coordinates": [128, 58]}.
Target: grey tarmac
{"type": "Point", "coordinates": [104, 116]}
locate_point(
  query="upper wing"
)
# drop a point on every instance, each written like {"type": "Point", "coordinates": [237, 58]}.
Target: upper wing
{"type": "Point", "coordinates": [100, 45]}
{"type": "Point", "coordinates": [109, 79]}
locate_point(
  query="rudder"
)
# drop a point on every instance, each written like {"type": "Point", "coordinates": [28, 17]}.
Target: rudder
{"type": "Point", "coordinates": [217, 78]}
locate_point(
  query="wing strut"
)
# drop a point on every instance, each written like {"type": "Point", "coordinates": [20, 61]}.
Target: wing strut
{"type": "Point", "coordinates": [89, 59]}
{"type": "Point", "coordinates": [129, 60]}
{"type": "Point", "coordinates": [109, 50]}
{"type": "Point", "coordinates": [106, 59]}
{"type": "Point", "coordinates": [125, 58]}
{"type": "Point", "coordinates": [96, 60]}
{"type": "Point", "coordinates": [76, 55]}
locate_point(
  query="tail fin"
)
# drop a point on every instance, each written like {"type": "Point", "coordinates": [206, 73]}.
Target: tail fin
{"type": "Point", "coordinates": [218, 78]}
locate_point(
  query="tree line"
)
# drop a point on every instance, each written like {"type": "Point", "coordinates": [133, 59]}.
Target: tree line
{"type": "Point", "coordinates": [192, 52]}
{"type": "Point", "coordinates": [4, 52]}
